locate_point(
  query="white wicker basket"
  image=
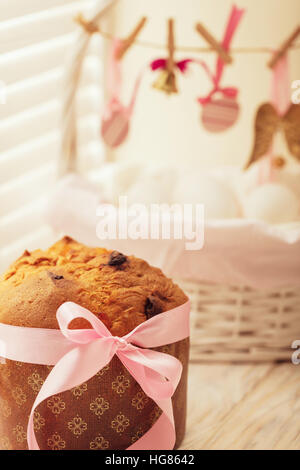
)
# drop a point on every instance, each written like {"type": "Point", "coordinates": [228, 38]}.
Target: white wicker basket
{"type": "Point", "coordinates": [239, 324]}
{"type": "Point", "coordinates": [228, 323]}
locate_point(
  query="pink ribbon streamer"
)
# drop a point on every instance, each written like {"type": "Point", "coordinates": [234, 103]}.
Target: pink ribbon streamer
{"type": "Point", "coordinates": [281, 100]}
{"type": "Point", "coordinates": [234, 19]}
{"type": "Point", "coordinates": [79, 354]}
{"type": "Point", "coordinates": [280, 86]}
{"type": "Point", "coordinates": [114, 81]}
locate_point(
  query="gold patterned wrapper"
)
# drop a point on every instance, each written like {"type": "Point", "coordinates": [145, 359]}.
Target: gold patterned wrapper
{"type": "Point", "coordinates": [110, 411]}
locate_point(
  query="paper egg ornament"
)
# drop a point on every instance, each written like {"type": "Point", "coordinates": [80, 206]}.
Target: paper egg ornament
{"type": "Point", "coordinates": [115, 126]}
{"type": "Point", "coordinates": [273, 203]}
{"type": "Point", "coordinates": [218, 198]}
{"type": "Point", "coordinates": [219, 114]}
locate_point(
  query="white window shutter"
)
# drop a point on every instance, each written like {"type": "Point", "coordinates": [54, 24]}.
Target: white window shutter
{"type": "Point", "coordinates": [36, 40]}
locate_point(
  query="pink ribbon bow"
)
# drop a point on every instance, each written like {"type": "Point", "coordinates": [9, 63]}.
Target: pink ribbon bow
{"type": "Point", "coordinates": [79, 354]}
{"type": "Point", "coordinates": [159, 64]}
{"type": "Point", "coordinates": [228, 92]}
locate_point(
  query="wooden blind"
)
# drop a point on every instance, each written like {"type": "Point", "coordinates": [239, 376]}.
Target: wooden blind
{"type": "Point", "coordinates": [36, 39]}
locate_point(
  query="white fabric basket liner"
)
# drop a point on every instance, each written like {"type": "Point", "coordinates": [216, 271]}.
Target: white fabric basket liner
{"type": "Point", "coordinates": [235, 252]}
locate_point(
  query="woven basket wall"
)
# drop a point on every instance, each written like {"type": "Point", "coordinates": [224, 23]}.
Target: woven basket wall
{"type": "Point", "coordinates": [235, 324]}
{"type": "Point", "coordinates": [240, 324]}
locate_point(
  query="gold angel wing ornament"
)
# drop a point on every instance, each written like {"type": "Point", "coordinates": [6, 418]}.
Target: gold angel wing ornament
{"type": "Point", "coordinates": [267, 122]}
{"type": "Point", "coordinates": [291, 128]}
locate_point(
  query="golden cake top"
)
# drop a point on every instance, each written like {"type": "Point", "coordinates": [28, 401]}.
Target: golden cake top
{"type": "Point", "coordinates": [123, 291]}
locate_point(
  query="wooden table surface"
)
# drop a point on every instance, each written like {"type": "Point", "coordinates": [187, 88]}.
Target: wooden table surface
{"type": "Point", "coordinates": [243, 407]}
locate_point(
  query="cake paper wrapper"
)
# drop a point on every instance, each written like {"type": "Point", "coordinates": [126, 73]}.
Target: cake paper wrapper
{"type": "Point", "coordinates": [108, 411]}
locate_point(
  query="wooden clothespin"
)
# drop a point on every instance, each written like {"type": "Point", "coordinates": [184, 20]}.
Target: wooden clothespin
{"type": "Point", "coordinates": [171, 45]}
{"type": "Point", "coordinates": [127, 43]}
{"type": "Point", "coordinates": [89, 26]}
{"type": "Point", "coordinates": [223, 54]}
{"type": "Point", "coordinates": [166, 81]}
{"type": "Point", "coordinates": [284, 47]}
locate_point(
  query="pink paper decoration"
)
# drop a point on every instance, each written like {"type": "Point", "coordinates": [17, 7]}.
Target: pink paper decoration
{"type": "Point", "coordinates": [219, 114]}
{"type": "Point", "coordinates": [115, 125]}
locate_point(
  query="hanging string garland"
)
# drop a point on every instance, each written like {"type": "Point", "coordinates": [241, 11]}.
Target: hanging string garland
{"type": "Point", "coordinates": [220, 108]}
{"type": "Point", "coordinates": [183, 48]}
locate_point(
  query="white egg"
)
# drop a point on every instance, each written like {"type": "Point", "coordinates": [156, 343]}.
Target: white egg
{"type": "Point", "coordinates": [218, 199]}
{"type": "Point", "coordinates": [290, 178]}
{"type": "Point", "coordinates": [273, 203]}
{"type": "Point", "coordinates": [153, 186]}
{"type": "Point", "coordinates": [248, 179]}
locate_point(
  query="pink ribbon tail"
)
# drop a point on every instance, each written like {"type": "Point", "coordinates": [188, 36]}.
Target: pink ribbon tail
{"type": "Point", "coordinates": [233, 22]}
{"type": "Point", "coordinates": [135, 91]}
{"type": "Point", "coordinates": [280, 86]}
{"type": "Point", "coordinates": [235, 17]}
{"type": "Point", "coordinates": [88, 351]}
{"type": "Point", "coordinates": [114, 82]}
{"type": "Point", "coordinates": [281, 99]}
{"type": "Point", "coordinates": [114, 78]}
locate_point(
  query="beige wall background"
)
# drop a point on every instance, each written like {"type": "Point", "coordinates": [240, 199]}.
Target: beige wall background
{"type": "Point", "coordinates": [167, 128]}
